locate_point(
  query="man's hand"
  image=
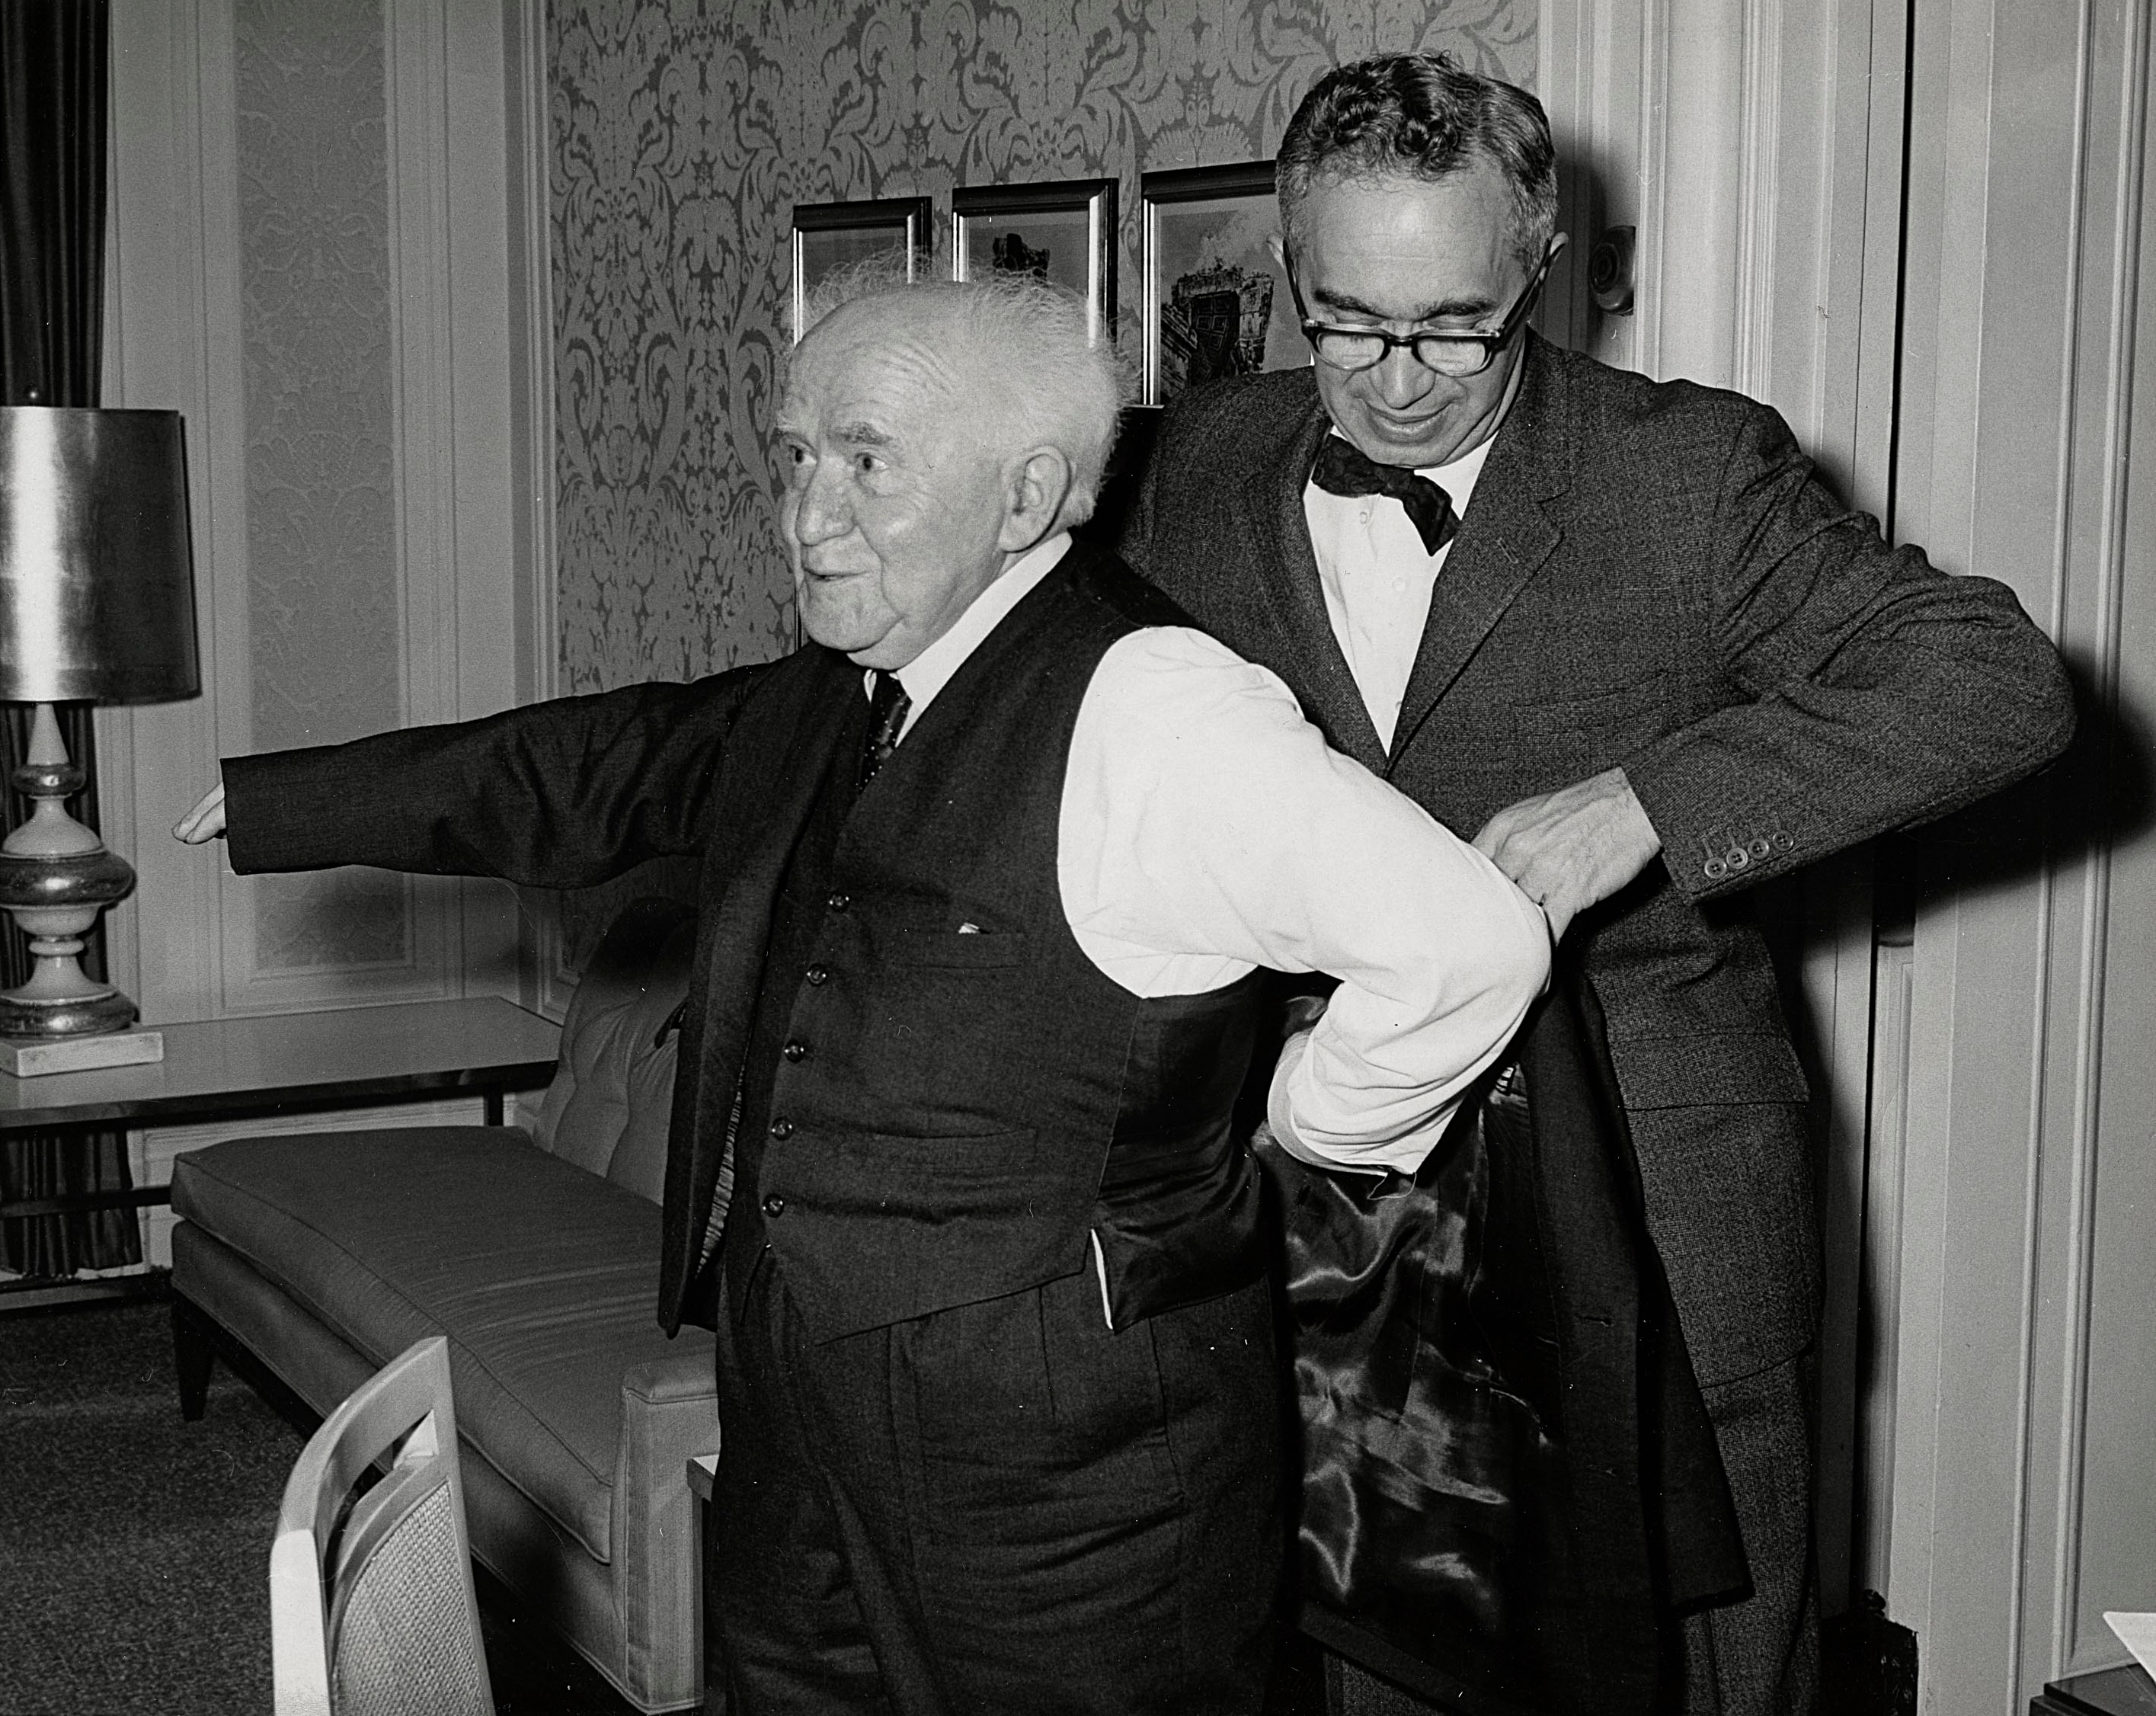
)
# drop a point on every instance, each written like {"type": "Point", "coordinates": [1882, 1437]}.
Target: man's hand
{"type": "Point", "coordinates": [205, 821]}
{"type": "Point", "coordinates": [1569, 849]}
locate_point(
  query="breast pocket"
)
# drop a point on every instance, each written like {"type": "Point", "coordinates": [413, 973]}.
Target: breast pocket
{"type": "Point", "coordinates": [1585, 702]}
{"type": "Point", "coordinates": [949, 1020]}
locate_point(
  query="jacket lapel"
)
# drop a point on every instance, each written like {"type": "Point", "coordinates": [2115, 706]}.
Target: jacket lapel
{"type": "Point", "coordinates": [1504, 540]}
{"type": "Point", "coordinates": [774, 764]}
{"type": "Point", "coordinates": [774, 773]}
{"type": "Point", "coordinates": [1287, 571]}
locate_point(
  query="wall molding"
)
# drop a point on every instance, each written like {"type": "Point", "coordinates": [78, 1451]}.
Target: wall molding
{"type": "Point", "coordinates": [2063, 1649]}
{"type": "Point", "coordinates": [175, 311]}
{"type": "Point", "coordinates": [547, 978]}
{"type": "Point", "coordinates": [2017, 1513]}
{"type": "Point", "coordinates": [424, 384]}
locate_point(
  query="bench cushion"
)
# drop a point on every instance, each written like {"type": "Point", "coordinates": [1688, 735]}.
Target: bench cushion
{"type": "Point", "coordinates": [547, 1302]}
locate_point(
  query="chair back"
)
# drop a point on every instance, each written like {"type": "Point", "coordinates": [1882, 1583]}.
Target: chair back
{"type": "Point", "coordinates": [371, 1605]}
{"type": "Point", "coordinates": [611, 1104]}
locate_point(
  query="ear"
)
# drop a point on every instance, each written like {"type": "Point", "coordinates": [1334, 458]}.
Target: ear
{"type": "Point", "coordinates": [1039, 484]}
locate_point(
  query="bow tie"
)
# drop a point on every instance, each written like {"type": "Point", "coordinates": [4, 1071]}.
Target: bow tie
{"type": "Point", "coordinates": [1342, 468]}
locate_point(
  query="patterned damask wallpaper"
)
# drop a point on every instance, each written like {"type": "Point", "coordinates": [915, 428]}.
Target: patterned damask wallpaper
{"type": "Point", "coordinates": [323, 615]}
{"type": "Point", "coordinates": [684, 130]}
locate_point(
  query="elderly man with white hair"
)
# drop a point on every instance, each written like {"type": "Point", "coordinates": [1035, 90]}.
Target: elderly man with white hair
{"type": "Point", "coordinates": [989, 871]}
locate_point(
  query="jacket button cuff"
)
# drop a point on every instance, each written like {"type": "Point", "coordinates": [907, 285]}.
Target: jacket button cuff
{"type": "Point", "coordinates": [782, 1128]}
{"type": "Point", "coordinates": [818, 976]}
{"type": "Point", "coordinates": [774, 1206]}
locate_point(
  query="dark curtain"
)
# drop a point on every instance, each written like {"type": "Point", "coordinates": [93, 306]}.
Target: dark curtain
{"type": "Point", "coordinates": [53, 83]}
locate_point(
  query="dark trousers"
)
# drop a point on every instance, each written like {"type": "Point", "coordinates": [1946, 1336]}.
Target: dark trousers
{"type": "Point", "coordinates": [1715, 1174]}
{"type": "Point", "coordinates": [998, 1509]}
{"type": "Point", "coordinates": [1760, 1657]}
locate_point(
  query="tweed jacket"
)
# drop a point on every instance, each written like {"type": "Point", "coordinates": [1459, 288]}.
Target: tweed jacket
{"type": "Point", "coordinates": [1648, 576]}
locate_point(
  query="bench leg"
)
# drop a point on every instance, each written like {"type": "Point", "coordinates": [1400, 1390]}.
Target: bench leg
{"type": "Point", "coordinates": [192, 1356]}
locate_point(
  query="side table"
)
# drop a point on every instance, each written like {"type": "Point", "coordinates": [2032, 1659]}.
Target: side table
{"type": "Point", "coordinates": [2124, 1691]}
{"type": "Point", "coordinates": [228, 1069]}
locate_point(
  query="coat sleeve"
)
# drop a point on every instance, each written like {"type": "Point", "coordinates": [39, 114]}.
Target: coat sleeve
{"type": "Point", "coordinates": [1874, 691]}
{"type": "Point", "coordinates": [557, 794]}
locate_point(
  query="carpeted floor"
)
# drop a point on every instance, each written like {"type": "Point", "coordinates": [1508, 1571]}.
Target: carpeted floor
{"type": "Point", "coordinates": [135, 1547]}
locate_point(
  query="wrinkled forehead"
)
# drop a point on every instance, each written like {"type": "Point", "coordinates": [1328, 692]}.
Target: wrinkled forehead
{"type": "Point", "coordinates": [883, 361]}
{"type": "Point", "coordinates": [1468, 208]}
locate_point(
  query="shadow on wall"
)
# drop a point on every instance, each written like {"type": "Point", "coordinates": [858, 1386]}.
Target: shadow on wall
{"type": "Point", "coordinates": [2102, 793]}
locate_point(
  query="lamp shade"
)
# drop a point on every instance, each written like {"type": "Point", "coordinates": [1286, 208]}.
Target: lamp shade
{"type": "Point", "coordinates": [97, 595]}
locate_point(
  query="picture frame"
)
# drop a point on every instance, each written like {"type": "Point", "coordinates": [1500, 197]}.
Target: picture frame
{"type": "Point", "coordinates": [1063, 230]}
{"type": "Point", "coordinates": [1216, 298]}
{"type": "Point", "coordinates": [828, 236]}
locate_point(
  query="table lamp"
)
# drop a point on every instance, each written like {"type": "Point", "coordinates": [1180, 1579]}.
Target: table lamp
{"type": "Point", "coordinates": [97, 606]}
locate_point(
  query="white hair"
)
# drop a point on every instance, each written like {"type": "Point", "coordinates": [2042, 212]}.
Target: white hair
{"type": "Point", "coordinates": [1059, 385]}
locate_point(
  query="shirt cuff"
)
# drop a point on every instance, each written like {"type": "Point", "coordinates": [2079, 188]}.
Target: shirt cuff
{"type": "Point", "coordinates": [1404, 1155]}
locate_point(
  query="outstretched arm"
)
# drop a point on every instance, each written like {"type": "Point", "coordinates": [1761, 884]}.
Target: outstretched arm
{"type": "Point", "coordinates": [559, 794]}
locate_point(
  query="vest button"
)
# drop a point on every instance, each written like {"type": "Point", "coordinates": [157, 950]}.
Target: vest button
{"type": "Point", "coordinates": [817, 975]}
{"type": "Point", "coordinates": [838, 902]}
{"type": "Point", "coordinates": [774, 1206]}
{"type": "Point", "coordinates": [795, 1050]}
{"type": "Point", "coordinates": [782, 1127]}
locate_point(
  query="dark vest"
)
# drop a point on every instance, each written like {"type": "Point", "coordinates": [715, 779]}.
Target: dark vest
{"type": "Point", "coordinates": [942, 1099]}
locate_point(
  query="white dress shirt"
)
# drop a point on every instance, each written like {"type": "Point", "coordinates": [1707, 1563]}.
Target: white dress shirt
{"type": "Point", "coordinates": [1377, 578]}
{"type": "Point", "coordinates": [1206, 828]}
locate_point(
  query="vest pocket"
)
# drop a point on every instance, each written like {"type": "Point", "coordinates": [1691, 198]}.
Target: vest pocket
{"type": "Point", "coordinates": [882, 1226]}
{"type": "Point", "coordinates": [969, 949]}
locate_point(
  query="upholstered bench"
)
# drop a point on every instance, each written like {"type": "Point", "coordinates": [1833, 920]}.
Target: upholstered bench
{"type": "Point", "coordinates": [537, 1255]}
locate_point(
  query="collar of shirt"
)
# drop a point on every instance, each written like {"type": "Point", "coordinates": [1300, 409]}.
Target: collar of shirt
{"type": "Point", "coordinates": [930, 671]}
{"type": "Point", "coordinates": [1377, 577]}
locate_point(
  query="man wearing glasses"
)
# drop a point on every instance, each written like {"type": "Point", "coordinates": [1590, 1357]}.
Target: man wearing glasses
{"type": "Point", "coordinates": [1621, 630]}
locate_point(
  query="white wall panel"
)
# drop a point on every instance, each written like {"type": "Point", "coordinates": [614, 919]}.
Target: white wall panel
{"type": "Point", "coordinates": [243, 299]}
{"type": "Point", "coordinates": [2021, 1466]}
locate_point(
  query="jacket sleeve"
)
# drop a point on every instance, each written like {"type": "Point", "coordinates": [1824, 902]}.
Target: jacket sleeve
{"type": "Point", "coordinates": [557, 794]}
{"type": "Point", "coordinates": [1876, 691]}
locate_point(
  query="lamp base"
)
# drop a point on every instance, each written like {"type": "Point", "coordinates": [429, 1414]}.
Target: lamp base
{"type": "Point", "coordinates": [26, 1058]}
{"type": "Point", "coordinates": [55, 876]}
{"type": "Point", "coordinates": [92, 1011]}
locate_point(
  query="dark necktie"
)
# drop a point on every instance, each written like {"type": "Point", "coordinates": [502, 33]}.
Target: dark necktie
{"type": "Point", "coordinates": [1342, 468]}
{"type": "Point", "coordinates": [887, 706]}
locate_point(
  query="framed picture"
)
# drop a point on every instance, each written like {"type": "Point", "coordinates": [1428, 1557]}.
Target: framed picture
{"type": "Point", "coordinates": [1064, 231]}
{"type": "Point", "coordinates": [828, 236]}
{"type": "Point", "coordinates": [1216, 300]}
